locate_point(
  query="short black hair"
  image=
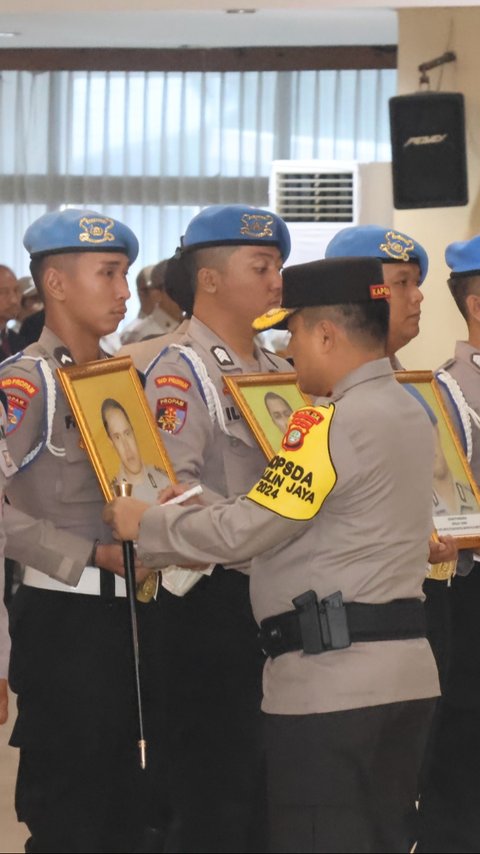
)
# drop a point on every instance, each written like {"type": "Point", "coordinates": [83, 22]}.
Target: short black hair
{"type": "Point", "coordinates": [366, 322]}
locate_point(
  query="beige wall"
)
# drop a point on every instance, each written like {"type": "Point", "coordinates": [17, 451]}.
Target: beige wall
{"type": "Point", "coordinates": [423, 35]}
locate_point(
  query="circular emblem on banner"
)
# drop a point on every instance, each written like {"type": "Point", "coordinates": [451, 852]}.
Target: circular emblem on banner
{"type": "Point", "coordinates": [294, 438]}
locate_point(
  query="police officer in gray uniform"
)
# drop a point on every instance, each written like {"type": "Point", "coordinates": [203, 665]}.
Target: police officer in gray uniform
{"type": "Point", "coordinates": [350, 681]}
{"type": "Point", "coordinates": [405, 266]}
{"type": "Point", "coordinates": [79, 786]}
{"type": "Point", "coordinates": [231, 256]}
{"type": "Point", "coordinates": [7, 469]}
{"type": "Point", "coordinates": [449, 807]}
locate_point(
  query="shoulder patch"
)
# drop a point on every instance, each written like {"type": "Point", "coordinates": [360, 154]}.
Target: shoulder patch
{"type": "Point", "coordinates": [297, 480]}
{"type": "Point", "coordinates": [176, 382]}
{"type": "Point", "coordinates": [19, 393]}
{"type": "Point", "coordinates": [171, 414]}
{"type": "Point", "coordinates": [20, 384]}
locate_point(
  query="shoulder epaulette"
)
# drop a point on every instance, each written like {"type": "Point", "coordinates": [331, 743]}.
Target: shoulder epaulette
{"type": "Point", "coordinates": [50, 397]}
{"type": "Point", "coordinates": [204, 384]}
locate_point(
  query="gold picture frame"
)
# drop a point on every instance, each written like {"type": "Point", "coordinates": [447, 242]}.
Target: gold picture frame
{"type": "Point", "coordinates": [256, 396]}
{"type": "Point", "coordinates": [456, 497]}
{"type": "Point", "coordinates": [117, 427]}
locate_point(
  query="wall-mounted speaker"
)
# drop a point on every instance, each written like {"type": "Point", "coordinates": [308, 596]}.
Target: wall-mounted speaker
{"type": "Point", "coordinates": [429, 161]}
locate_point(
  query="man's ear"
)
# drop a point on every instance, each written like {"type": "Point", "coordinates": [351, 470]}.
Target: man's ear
{"type": "Point", "coordinates": [473, 306]}
{"type": "Point", "coordinates": [326, 332]}
{"type": "Point", "coordinates": [207, 280]}
{"type": "Point", "coordinates": [54, 284]}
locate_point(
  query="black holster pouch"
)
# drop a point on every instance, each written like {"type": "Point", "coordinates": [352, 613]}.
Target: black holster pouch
{"type": "Point", "coordinates": [323, 625]}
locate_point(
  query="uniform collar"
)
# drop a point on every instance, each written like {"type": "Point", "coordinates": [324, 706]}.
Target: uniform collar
{"type": "Point", "coordinates": [466, 353]}
{"type": "Point", "coordinates": [369, 371]}
{"type": "Point", "coordinates": [396, 364]}
{"type": "Point", "coordinates": [54, 346]}
{"type": "Point", "coordinates": [225, 358]}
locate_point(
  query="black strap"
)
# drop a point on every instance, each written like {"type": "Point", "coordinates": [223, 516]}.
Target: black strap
{"type": "Point", "coordinates": [400, 619]}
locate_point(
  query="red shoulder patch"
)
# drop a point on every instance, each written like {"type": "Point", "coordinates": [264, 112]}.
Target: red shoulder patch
{"type": "Point", "coordinates": [176, 382]}
{"type": "Point", "coordinates": [16, 389]}
{"type": "Point", "coordinates": [171, 414]}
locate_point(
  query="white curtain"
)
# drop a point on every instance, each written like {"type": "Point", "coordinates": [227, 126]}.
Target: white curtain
{"type": "Point", "coordinates": [153, 148]}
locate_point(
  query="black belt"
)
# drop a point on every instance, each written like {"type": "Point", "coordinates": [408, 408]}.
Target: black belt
{"type": "Point", "coordinates": [317, 627]}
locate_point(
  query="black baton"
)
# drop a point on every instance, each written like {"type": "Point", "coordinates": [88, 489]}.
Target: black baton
{"type": "Point", "coordinates": [124, 490]}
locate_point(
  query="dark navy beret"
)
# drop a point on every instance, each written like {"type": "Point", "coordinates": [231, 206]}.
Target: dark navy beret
{"type": "Point", "coordinates": [237, 225]}
{"type": "Point", "coordinates": [74, 230]}
{"type": "Point", "coordinates": [463, 257]}
{"type": "Point", "coordinates": [376, 241]}
{"type": "Point", "coordinates": [332, 281]}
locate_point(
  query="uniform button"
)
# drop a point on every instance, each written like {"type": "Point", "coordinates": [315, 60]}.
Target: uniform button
{"type": "Point", "coordinates": [234, 442]}
{"type": "Point", "coordinates": [146, 556]}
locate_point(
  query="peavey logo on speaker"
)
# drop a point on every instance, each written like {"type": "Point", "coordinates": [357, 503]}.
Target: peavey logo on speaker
{"type": "Point", "coordinates": [433, 139]}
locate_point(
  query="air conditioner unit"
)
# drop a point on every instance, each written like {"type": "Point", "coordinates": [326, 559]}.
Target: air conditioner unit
{"type": "Point", "coordinates": [317, 198]}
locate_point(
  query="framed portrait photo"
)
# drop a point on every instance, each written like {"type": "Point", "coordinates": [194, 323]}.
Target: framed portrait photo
{"type": "Point", "coordinates": [266, 401]}
{"type": "Point", "coordinates": [456, 498]}
{"type": "Point", "coordinates": [117, 427]}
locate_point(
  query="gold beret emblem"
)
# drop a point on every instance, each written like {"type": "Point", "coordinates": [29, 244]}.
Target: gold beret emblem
{"type": "Point", "coordinates": [257, 225]}
{"type": "Point", "coordinates": [397, 246]}
{"type": "Point", "coordinates": [96, 229]}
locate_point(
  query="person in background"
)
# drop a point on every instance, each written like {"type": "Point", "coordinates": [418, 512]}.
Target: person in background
{"type": "Point", "coordinates": [10, 341]}
{"type": "Point", "coordinates": [405, 266]}
{"type": "Point", "coordinates": [450, 820]}
{"type": "Point", "coordinates": [143, 292]}
{"type": "Point", "coordinates": [30, 301]}
{"type": "Point", "coordinates": [163, 315]}
{"type": "Point", "coordinates": [178, 288]}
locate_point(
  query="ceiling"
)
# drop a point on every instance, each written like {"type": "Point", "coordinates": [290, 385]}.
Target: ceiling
{"type": "Point", "coordinates": [205, 23]}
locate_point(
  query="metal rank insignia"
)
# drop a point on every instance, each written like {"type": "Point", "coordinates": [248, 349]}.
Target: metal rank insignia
{"type": "Point", "coordinates": [147, 590]}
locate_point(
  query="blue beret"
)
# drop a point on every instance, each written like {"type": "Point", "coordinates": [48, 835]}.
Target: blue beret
{"type": "Point", "coordinates": [463, 258]}
{"type": "Point", "coordinates": [376, 241]}
{"type": "Point", "coordinates": [237, 225]}
{"type": "Point", "coordinates": [74, 230]}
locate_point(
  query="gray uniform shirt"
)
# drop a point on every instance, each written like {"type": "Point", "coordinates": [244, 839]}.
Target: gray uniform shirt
{"type": "Point", "coordinates": [369, 540]}
{"type": "Point", "coordinates": [58, 493]}
{"type": "Point", "coordinates": [157, 323]}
